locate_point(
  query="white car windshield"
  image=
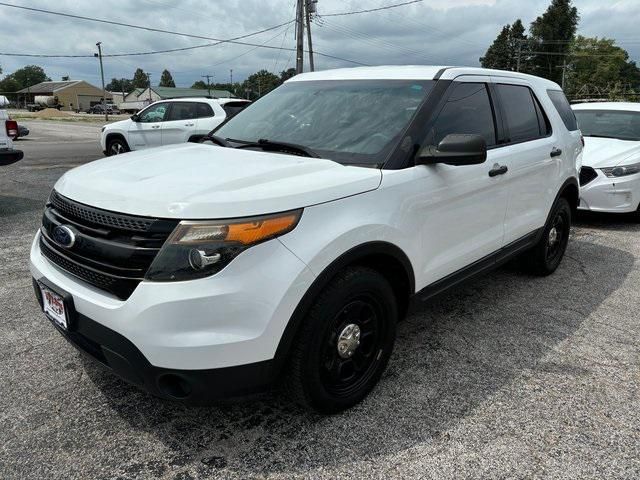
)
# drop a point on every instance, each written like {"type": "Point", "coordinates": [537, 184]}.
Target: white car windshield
{"type": "Point", "coordinates": [348, 121]}
{"type": "Point", "coordinates": [609, 124]}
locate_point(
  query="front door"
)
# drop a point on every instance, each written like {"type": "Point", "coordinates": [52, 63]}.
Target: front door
{"type": "Point", "coordinates": [147, 131]}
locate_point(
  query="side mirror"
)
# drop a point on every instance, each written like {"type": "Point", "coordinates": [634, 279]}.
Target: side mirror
{"type": "Point", "coordinates": [135, 117]}
{"type": "Point", "coordinates": [455, 149]}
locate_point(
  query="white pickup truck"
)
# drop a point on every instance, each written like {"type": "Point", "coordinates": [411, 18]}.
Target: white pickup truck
{"type": "Point", "coordinates": [8, 130]}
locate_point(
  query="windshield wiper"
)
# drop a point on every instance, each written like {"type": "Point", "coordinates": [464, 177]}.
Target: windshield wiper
{"type": "Point", "coordinates": [594, 135]}
{"type": "Point", "coordinates": [215, 139]}
{"type": "Point", "coordinates": [278, 147]}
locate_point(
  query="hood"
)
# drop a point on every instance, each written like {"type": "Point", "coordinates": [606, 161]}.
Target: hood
{"type": "Point", "coordinates": [609, 152]}
{"type": "Point", "coordinates": [196, 181]}
{"type": "Point", "coordinates": [118, 124]}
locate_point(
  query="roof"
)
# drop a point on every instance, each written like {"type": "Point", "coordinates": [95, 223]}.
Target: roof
{"type": "Point", "coordinates": [415, 72]}
{"type": "Point", "coordinates": [222, 101]}
{"type": "Point", "coordinates": [48, 87]}
{"type": "Point", "coordinates": [176, 92]}
{"type": "Point", "coordinates": [622, 106]}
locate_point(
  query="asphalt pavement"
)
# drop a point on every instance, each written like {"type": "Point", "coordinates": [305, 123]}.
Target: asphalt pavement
{"type": "Point", "coordinates": [509, 377]}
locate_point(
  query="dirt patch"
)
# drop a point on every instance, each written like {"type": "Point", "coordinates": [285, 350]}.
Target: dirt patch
{"type": "Point", "coordinates": [51, 113]}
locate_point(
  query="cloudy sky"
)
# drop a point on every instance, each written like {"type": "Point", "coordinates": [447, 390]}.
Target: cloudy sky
{"type": "Point", "coordinates": [451, 32]}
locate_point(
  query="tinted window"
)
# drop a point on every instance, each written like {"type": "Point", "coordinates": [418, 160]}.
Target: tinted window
{"type": "Point", "coordinates": [155, 113]}
{"type": "Point", "coordinates": [204, 110]}
{"type": "Point", "coordinates": [233, 108]}
{"type": "Point", "coordinates": [520, 112]}
{"type": "Point", "coordinates": [468, 111]}
{"type": "Point", "coordinates": [609, 124]}
{"type": "Point", "coordinates": [564, 109]}
{"type": "Point", "coordinates": [183, 111]}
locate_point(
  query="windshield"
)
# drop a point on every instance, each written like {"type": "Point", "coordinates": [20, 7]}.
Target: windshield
{"type": "Point", "coordinates": [349, 121]}
{"type": "Point", "coordinates": [609, 124]}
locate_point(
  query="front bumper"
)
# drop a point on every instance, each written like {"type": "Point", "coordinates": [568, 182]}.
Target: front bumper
{"type": "Point", "coordinates": [616, 195]}
{"type": "Point", "coordinates": [234, 318]}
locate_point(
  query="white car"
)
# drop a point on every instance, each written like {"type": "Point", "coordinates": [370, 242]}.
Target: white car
{"type": "Point", "coordinates": [294, 247]}
{"type": "Point", "coordinates": [167, 122]}
{"type": "Point", "coordinates": [610, 174]}
{"type": "Point", "coordinates": [8, 130]}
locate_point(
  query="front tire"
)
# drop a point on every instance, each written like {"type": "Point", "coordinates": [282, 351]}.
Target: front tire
{"type": "Point", "coordinates": [545, 257]}
{"type": "Point", "coordinates": [345, 342]}
{"type": "Point", "coordinates": [117, 146]}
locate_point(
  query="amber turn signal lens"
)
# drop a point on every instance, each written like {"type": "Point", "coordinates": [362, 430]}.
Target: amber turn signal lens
{"type": "Point", "coordinates": [252, 232]}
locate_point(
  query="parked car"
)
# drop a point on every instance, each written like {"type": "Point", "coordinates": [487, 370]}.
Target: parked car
{"type": "Point", "coordinates": [8, 130]}
{"type": "Point", "coordinates": [610, 174]}
{"type": "Point", "coordinates": [100, 109]}
{"type": "Point", "coordinates": [292, 248]}
{"type": "Point", "coordinates": [168, 122]}
{"type": "Point", "coordinates": [23, 131]}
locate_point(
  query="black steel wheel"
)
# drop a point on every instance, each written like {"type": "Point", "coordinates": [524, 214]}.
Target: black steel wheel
{"type": "Point", "coordinates": [345, 342]}
{"type": "Point", "coordinates": [117, 146]}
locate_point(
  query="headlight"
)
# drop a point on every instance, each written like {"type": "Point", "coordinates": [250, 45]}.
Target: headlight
{"type": "Point", "coordinates": [198, 249]}
{"type": "Point", "coordinates": [622, 170]}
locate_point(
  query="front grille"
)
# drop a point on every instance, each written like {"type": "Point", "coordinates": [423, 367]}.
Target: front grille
{"type": "Point", "coordinates": [587, 174]}
{"type": "Point", "coordinates": [112, 251]}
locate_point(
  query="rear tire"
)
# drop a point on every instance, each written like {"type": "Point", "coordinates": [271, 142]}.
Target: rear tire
{"type": "Point", "coordinates": [545, 257]}
{"type": "Point", "coordinates": [345, 342]}
{"type": "Point", "coordinates": [117, 146]}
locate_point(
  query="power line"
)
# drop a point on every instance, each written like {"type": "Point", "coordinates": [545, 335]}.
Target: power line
{"type": "Point", "coordinates": [387, 7]}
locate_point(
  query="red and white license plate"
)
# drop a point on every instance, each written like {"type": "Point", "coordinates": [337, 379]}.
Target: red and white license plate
{"type": "Point", "coordinates": [53, 306]}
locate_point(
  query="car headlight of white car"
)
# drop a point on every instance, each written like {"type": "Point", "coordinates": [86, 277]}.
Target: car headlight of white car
{"type": "Point", "coordinates": [621, 170]}
{"type": "Point", "coordinates": [198, 249]}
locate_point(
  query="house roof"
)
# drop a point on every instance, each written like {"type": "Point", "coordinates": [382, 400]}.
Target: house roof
{"type": "Point", "coordinates": [176, 92]}
{"type": "Point", "coordinates": [48, 87]}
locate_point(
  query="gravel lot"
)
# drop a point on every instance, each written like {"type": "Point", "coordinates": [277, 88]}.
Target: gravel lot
{"type": "Point", "coordinates": [509, 377]}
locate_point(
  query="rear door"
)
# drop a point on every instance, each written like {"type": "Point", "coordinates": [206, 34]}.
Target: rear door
{"type": "Point", "coordinates": [146, 132]}
{"type": "Point", "coordinates": [209, 117]}
{"type": "Point", "coordinates": [181, 123]}
{"type": "Point", "coordinates": [530, 152]}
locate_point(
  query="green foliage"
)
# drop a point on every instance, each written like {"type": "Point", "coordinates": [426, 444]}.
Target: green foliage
{"type": "Point", "coordinates": [551, 35]}
{"type": "Point", "coordinates": [287, 74]}
{"type": "Point", "coordinates": [259, 84]}
{"type": "Point", "coordinates": [140, 79]}
{"type": "Point", "coordinates": [602, 65]}
{"type": "Point", "coordinates": [119, 85]}
{"type": "Point", "coordinates": [28, 76]}
{"type": "Point", "coordinates": [166, 80]}
{"type": "Point", "coordinates": [503, 52]}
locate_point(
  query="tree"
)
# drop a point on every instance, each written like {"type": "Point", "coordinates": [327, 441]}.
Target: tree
{"type": "Point", "coordinates": [600, 65]}
{"type": "Point", "coordinates": [119, 85]}
{"type": "Point", "coordinates": [260, 83]}
{"type": "Point", "coordinates": [166, 80]}
{"type": "Point", "coordinates": [140, 79]}
{"type": "Point", "coordinates": [29, 76]}
{"type": "Point", "coordinates": [551, 36]}
{"type": "Point", "coordinates": [287, 74]}
{"type": "Point", "coordinates": [510, 44]}
{"type": "Point", "coordinates": [200, 84]}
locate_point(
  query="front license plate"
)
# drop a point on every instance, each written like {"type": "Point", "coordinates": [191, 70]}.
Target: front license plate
{"type": "Point", "coordinates": [53, 306]}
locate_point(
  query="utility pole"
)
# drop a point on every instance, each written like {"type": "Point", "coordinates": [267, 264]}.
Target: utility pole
{"type": "Point", "coordinates": [104, 103]}
{"type": "Point", "coordinates": [149, 82]}
{"type": "Point", "coordinates": [564, 72]}
{"type": "Point", "coordinates": [122, 88]}
{"type": "Point", "coordinates": [309, 10]}
{"type": "Point", "coordinates": [519, 55]}
{"type": "Point", "coordinates": [300, 37]}
{"type": "Point", "coordinates": [208, 83]}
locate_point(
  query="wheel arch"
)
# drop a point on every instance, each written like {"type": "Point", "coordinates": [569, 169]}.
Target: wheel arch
{"type": "Point", "coordinates": [113, 135]}
{"type": "Point", "coordinates": [386, 258]}
{"type": "Point", "coordinates": [570, 190]}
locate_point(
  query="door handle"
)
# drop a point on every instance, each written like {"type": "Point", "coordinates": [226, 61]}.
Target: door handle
{"type": "Point", "coordinates": [188, 124]}
{"type": "Point", "coordinates": [155, 126]}
{"type": "Point", "coordinates": [556, 152]}
{"type": "Point", "coordinates": [498, 170]}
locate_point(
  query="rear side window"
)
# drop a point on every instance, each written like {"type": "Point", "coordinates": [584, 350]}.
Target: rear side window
{"type": "Point", "coordinates": [234, 108]}
{"type": "Point", "coordinates": [467, 111]}
{"type": "Point", "coordinates": [204, 110]}
{"type": "Point", "coordinates": [183, 111]}
{"type": "Point", "coordinates": [564, 109]}
{"type": "Point", "coordinates": [521, 113]}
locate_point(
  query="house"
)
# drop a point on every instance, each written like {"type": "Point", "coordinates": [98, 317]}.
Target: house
{"type": "Point", "coordinates": [163, 93]}
{"type": "Point", "coordinates": [72, 95]}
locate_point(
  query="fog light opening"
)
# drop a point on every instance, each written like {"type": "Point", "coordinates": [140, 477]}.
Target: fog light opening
{"type": "Point", "coordinates": [174, 386]}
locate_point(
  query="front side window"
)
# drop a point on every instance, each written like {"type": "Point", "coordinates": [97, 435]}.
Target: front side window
{"type": "Point", "coordinates": [467, 111]}
{"type": "Point", "coordinates": [348, 121]}
{"type": "Point", "coordinates": [155, 113]}
{"type": "Point", "coordinates": [609, 124]}
{"type": "Point", "coordinates": [520, 112]}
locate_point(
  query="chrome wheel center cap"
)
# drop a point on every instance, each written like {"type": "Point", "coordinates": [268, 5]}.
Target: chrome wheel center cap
{"type": "Point", "coordinates": [553, 236]}
{"type": "Point", "coordinates": [348, 340]}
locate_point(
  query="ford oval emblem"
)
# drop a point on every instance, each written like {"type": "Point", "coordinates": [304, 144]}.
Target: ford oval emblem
{"type": "Point", "coordinates": [64, 236]}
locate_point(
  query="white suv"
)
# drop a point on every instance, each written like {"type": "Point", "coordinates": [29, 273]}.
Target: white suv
{"type": "Point", "coordinates": [167, 122]}
{"type": "Point", "coordinates": [293, 248]}
{"type": "Point", "coordinates": [8, 130]}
